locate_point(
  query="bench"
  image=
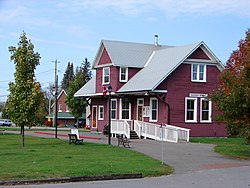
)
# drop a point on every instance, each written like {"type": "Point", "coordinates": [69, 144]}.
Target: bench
{"type": "Point", "coordinates": [123, 141]}
{"type": "Point", "coordinates": [73, 139]}
{"type": "Point", "coordinates": [2, 131]}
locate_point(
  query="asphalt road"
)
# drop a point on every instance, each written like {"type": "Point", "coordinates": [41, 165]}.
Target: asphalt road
{"type": "Point", "coordinates": [196, 165]}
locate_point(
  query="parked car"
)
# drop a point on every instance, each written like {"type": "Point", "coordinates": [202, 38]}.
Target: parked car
{"type": "Point", "coordinates": [5, 122]}
{"type": "Point", "coordinates": [81, 124]}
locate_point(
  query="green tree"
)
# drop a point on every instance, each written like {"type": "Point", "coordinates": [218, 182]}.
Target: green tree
{"type": "Point", "coordinates": [233, 95]}
{"type": "Point", "coordinates": [25, 93]}
{"type": "Point", "coordinates": [68, 76]}
{"type": "Point", "coordinates": [83, 75]}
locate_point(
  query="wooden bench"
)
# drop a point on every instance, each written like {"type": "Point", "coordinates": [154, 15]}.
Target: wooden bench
{"type": "Point", "coordinates": [73, 139]}
{"type": "Point", "coordinates": [2, 131]}
{"type": "Point", "coordinates": [123, 141]}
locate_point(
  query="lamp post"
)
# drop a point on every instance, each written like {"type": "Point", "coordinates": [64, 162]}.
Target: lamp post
{"type": "Point", "coordinates": [109, 127]}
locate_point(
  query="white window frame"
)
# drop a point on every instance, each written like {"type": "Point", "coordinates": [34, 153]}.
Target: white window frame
{"type": "Point", "coordinates": [126, 74]}
{"type": "Point", "coordinates": [60, 108]}
{"type": "Point", "coordinates": [209, 111]}
{"type": "Point", "coordinates": [198, 73]}
{"type": "Point", "coordinates": [129, 118]}
{"type": "Point", "coordinates": [114, 109]}
{"type": "Point", "coordinates": [100, 114]}
{"type": "Point", "coordinates": [104, 76]}
{"type": "Point", "coordinates": [151, 110]}
{"type": "Point", "coordinates": [67, 108]}
{"type": "Point", "coordinates": [195, 110]}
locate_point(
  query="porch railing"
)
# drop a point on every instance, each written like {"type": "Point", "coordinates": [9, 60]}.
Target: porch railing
{"type": "Point", "coordinates": [121, 127]}
{"type": "Point", "coordinates": [167, 133]}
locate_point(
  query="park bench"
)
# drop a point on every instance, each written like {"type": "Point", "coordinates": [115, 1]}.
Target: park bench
{"type": "Point", "coordinates": [73, 139]}
{"type": "Point", "coordinates": [124, 142]}
{"type": "Point", "coordinates": [2, 131]}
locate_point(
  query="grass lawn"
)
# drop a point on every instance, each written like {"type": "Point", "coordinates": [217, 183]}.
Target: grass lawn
{"type": "Point", "coordinates": [50, 158]}
{"type": "Point", "coordinates": [230, 147]}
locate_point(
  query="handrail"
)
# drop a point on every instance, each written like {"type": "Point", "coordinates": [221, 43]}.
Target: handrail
{"type": "Point", "coordinates": [120, 127]}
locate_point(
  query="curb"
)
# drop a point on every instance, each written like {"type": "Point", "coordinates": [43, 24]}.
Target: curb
{"type": "Point", "coordinates": [71, 179]}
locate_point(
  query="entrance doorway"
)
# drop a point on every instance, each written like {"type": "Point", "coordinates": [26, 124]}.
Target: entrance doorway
{"type": "Point", "coordinates": [94, 117]}
{"type": "Point", "coordinates": [140, 104]}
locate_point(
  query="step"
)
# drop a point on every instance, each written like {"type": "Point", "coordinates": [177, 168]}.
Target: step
{"type": "Point", "coordinates": [133, 135]}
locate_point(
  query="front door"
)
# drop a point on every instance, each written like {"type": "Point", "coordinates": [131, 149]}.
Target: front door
{"type": "Point", "coordinates": [140, 104]}
{"type": "Point", "coordinates": [94, 117]}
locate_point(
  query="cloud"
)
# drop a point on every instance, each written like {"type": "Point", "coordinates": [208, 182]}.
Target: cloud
{"type": "Point", "coordinates": [169, 7]}
{"type": "Point", "coordinates": [61, 43]}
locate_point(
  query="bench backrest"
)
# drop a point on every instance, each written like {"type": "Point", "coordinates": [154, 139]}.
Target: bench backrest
{"type": "Point", "coordinates": [75, 131]}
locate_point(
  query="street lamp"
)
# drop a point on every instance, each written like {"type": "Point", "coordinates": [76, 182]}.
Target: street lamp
{"type": "Point", "coordinates": [109, 127]}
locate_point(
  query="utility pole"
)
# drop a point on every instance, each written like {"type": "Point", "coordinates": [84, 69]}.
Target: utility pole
{"type": "Point", "coordinates": [56, 95]}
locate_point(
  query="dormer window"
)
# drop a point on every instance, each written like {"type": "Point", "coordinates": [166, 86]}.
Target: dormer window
{"type": "Point", "coordinates": [198, 73]}
{"type": "Point", "coordinates": [106, 75]}
{"type": "Point", "coordinates": [123, 74]}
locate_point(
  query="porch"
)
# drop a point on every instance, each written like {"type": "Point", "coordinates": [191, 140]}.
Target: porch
{"type": "Point", "coordinates": [168, 133]}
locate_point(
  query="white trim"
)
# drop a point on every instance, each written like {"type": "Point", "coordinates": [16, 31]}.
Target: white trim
{"type": "Point", "coordinates": [126, 74]}
{"type": "Point", "coordinates": [151, 56]}
{"type": "Point", "coordinates": [103, 75]}
{"type": "Point", "coordinates": [114, 109]}
{"type": "Point", "coordinates": [209, 111]}
{"type": "Point", "coordinates": [60, 108]}
{"type": "Point", "coordinates": [129, 118]}
{"type": "Point", "coordinates": [99, 112]}
{"type": "Point", "coordinates": [195, 110]}
{"type": "Point", "coordinates": [198, 73]}
{"type": "Point", "coordinates": [157, 110]}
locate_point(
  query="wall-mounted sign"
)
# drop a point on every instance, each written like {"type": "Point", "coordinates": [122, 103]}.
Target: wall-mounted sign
{"type": "Point", "coordinates": [197, 95]}
{"type": "Point", "coordinates": [145, 111]}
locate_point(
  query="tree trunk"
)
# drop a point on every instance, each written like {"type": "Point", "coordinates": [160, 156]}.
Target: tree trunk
{"type": "Point", "coordinates": [22, 132]}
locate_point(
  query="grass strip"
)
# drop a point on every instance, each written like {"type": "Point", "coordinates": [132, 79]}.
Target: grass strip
{"type": "Point", "coordinates": [52, 158]}
{"type": "Point", "coordinates": [234, 147]}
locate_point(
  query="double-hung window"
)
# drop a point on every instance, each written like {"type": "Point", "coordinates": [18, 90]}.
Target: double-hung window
{"type": "Point", "coordinates": [190, 109]}
{"type": "Point", "coordinates": [123, 74]}
{"type": "Point", "coordinates": [106, 75]}
{"type": "Point", "coordinates": [113, 108]}
{"type": "Point", "coordinates": [125, 109]}
{"type": "Point", "coordinates": [205, 110]}
{"type": "Point", "coordinates": [153, 109]}
{"type": "Point", "coordinates": [101, 113]}
{"type": "Point", "coordinates": [198, 73]}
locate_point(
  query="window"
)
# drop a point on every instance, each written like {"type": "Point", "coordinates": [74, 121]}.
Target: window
{"type": "Point", "coordinates": [101, 113]}
{"type": "Point", "coordinates": [190, 109]}
{"type": "Point", "coordinates": [106, 75]}
{"type": "Point", "coordinates": [123, 74]}
{"type": "Point", "coordinates": [67, 108]}
{"type": "Point", "coordinates": [198, 72]}
{"type": "Point", "coordinates": [125, 109]}
{"type": "Point", "coordinates": [153, 109]}
{"type": "Point", "coordinates": [113, 108]}
{"type": "Point", "coordinates": [60, 108]}
{"type": "Point", "coordinates": [206, 110]}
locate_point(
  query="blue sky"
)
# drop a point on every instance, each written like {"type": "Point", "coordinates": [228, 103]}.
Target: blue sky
{"type": "Point", "coordinates": [71, 30]}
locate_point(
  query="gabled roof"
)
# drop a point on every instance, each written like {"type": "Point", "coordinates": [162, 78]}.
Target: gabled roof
{"type": "Point", "coordinates": [157, 63]}
{"type": "Point", "coordinates": [126, 54]}
{"type": "Point", "coordinates": [88, 89]}
{"type": "Point", "coordinates": [162, 63]}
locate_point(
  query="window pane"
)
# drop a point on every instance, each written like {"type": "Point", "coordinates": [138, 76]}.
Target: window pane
{"type": "Point", "coordinates": [190, 109]}
{"type": "Point", "coordinates": [195, 67]}
{"type": "Point", "coordinates": [190, 115]}
{"type": "Point", "coordinates": [154, 115]}
{"type": "Point", "coordinates": [201, 72]}
{"type": "Point", "coordinates": [205, 115]}
{"type": "Point", "coordinates": [205, 105]}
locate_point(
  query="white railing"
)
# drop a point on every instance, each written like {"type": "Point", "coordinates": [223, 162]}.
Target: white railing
{"type": "Point", "coordinates": [167, 133]}
{"type": "Point", "coordinates": [121, 127]}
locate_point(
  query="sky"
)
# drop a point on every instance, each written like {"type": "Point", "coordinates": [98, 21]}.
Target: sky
{"type": "Point", "coordinates": [71, 30]}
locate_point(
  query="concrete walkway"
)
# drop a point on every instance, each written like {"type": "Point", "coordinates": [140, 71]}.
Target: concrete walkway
{"type": "Point", "coordinates": [196, 165]}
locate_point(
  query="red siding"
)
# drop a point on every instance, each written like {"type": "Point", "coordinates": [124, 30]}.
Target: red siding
{"type": "Point", "coordinates": [199, 54]}
{"type": "Point", "coordinates": [179, 86]}
{"type": "Point", "coordinates": [105, 59]}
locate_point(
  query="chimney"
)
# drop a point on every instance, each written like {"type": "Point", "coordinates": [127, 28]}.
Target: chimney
{"type": "Point", "coordinates": [156, 40]}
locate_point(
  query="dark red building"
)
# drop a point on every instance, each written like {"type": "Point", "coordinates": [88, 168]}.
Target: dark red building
{"type": "Point", "coordinates": [155, 83]}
